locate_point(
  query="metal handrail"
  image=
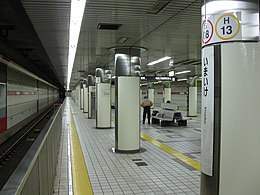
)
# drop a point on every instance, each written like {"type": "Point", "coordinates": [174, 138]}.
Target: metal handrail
{"type": "Point", "coordinates": [17, 181]}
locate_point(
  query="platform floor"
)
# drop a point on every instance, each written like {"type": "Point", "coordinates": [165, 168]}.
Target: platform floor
{"type": "Point", "coordinates": [170, 164]}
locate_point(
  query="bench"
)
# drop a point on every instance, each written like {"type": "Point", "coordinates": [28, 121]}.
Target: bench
{"type": "Point", "coordinates": [169, 117]}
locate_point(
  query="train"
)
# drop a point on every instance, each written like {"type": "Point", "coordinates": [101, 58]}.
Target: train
{"type": "Point", "coordinates": [23, 96]}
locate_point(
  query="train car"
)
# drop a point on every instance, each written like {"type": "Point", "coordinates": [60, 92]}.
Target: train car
{"type": "Point", "coordinates": [23, 96]}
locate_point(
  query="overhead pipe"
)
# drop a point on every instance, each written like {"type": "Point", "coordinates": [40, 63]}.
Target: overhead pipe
{"type": "Point", "coordinates": [108, 76]}
{"type": "Point", "coordinates": [101, 74]}
{"type": "Point", "coordinates": [91, 80]}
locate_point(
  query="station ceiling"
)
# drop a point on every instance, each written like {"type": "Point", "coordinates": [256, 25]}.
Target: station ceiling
{"type": "Point", "coordinates": [164, 27]}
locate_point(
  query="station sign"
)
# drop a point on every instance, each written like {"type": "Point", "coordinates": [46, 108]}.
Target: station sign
{"type": "Point", "coordinates": [157, 78]}
{"type": "Point", "coordinates": [221, 28]}
{"type": "Point", "coordinates": [207, 114]}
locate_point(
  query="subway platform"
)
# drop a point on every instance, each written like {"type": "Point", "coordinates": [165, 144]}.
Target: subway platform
{"type": "Point", "coordinates": [87, 164]}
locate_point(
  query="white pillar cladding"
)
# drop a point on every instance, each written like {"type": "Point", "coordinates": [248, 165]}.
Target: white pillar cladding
{"type": "Point", "coordinates": [151, 92]}
{"type": "Point", "coordinates": [81, 95]}
{"type": "Point", "coordinates": [167, 92]}
{"type": "Point", "coordinates": [230, 98]}
{"type": "Point", "coordinates": [113, 99]}
{"type": "Point", "coordinates": [78, 94]}
{"type": "Point", "coordinates": [192, 101]}
{"type": "Point", "coordinates": [91, 97]}
{"type": "Point", "coordinates": [127, 112]}
{"type": "Point", "coordinates": [128, 116]}
{"type": "Point", "coordinates": [103, 98]}
{"type": "Point", "coordinates": [85, 96]}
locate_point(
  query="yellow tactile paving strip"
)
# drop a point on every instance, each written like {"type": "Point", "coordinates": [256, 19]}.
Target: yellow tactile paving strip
{"type": "Point", "coordinates": [81, 182]}
{"type": "Point", "coordinates": [196, 121]}
{"type": "Point", "coordinates": [189, 161]}
{"type": "Point", "coordinates": [176, 154]}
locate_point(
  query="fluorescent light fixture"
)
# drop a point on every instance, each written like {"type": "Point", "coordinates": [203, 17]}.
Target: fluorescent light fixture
{"type": "Point", "coordinates": [183, 72]}
{"type": "Point", "coordinates": [171, 62]}
{"type": "Point", "coordinates": [171, 73]}
{"type": "Point", "coordinates": [77, 8]}
{"type": "Point", "coordinates": [182, 80]}
{"type": "Point", "coordinates": [122, 39]}
{"type": "Point", "coordinates": [159, 60]}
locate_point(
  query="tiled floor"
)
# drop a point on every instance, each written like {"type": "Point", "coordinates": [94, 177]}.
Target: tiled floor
{"type": "Point", "coordinates": [62, 179]}
{"type": "Point", "coordinates": [113, 173]}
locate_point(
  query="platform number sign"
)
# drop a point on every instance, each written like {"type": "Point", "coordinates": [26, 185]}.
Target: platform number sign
{"type": "Point", "coordinates": [221, 28]}
{"type": "Point", "coordinates": [227, 27]}
{"type": "Point", "coordinates": [207, 31]}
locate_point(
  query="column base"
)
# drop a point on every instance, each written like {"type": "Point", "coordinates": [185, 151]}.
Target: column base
{"type": "Point", "coordinates": [114, 150]}
{"type": "Point", "coordinates": [104, 127]}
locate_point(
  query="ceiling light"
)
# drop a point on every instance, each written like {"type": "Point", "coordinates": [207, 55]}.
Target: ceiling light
{"type": "Point", "coordinates": [159, 60]}
{"type": "Point", "coordinates": [171, 73]}
{"type": "Point", "coordinates": [77, 8]}
{"type": "Point", "coordinates": [122, 39]}
{"type": "Point", "coordinates": [183, 72]}
{"type": "Point", "coordinates": [171, 62]}
{"type": "Point", "coordinates": [181, 79]}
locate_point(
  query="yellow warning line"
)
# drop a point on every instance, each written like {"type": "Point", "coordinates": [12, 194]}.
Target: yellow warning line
{"type": "Point", "coordinates": [196, 121]}
{"type": "Point", "coordinates": [189, 161]}
{"type": "Point", "coordinates": [180, 156]}
{"type": "Point", "coordinates": [81, 182]}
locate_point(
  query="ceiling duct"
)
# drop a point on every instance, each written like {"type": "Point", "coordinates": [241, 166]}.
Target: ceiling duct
{"type": "Point", "coordinates": [91, 80]}
{"type": "Point", "coordinates": [158, 6]}
{"type": "Point", "coordinates": [100, 73]}
{"type": "Point", "coordinates": [108, 26]}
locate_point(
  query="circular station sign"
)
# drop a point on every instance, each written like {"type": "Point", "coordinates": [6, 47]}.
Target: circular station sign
{"type": "Point", "coordinates": [227, 27]}
{"type": "Point", "coordinates": [207, 31]}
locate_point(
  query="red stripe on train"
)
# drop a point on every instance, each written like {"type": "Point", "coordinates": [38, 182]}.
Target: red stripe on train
{"type": "Point", "coordinates": [13, 93]}
{"type": "Point", "coordinates": [3, 124]}
{"type": "Point", "coordinates": [180, 93]}
{"type": "Point", "coordinates": [175, 93]}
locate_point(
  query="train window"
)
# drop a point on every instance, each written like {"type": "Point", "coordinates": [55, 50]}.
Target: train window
{"type": "Point", "coordinates": [2, 97]}
{"type": "Point", "coordinates": [3, 114]}
{"type": "Point", "coordinates": [2, 107]}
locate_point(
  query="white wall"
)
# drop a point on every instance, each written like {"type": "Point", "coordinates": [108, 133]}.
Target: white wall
{"type": "Point", "coordinates": [178, 97]}
{"type": "Point", "coordinates": [240, 132]}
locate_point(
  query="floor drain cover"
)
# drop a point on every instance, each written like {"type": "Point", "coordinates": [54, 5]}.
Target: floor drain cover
{"type": "Point", "coordinates": [137, 159]}
{"type": "Point", "coordinates": [141, 164]}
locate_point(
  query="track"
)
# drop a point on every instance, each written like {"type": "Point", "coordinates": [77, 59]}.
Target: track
{"type": "Point", "coordinates": [13, 150]}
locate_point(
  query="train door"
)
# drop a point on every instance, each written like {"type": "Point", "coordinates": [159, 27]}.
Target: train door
{"type": "Point", "coordinates": [3, 110]}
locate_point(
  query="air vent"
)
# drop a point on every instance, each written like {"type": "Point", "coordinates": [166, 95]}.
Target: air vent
{"type": "Point", "coordinates": [158, 6]}
{"type": "Point", "coordinates": [107, 26]}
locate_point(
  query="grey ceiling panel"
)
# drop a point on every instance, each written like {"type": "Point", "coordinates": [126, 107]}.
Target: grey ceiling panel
{"type": "Point", "coordinates": [172, 30]}
{"type": "Point", "coordinates": [51, 22]}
